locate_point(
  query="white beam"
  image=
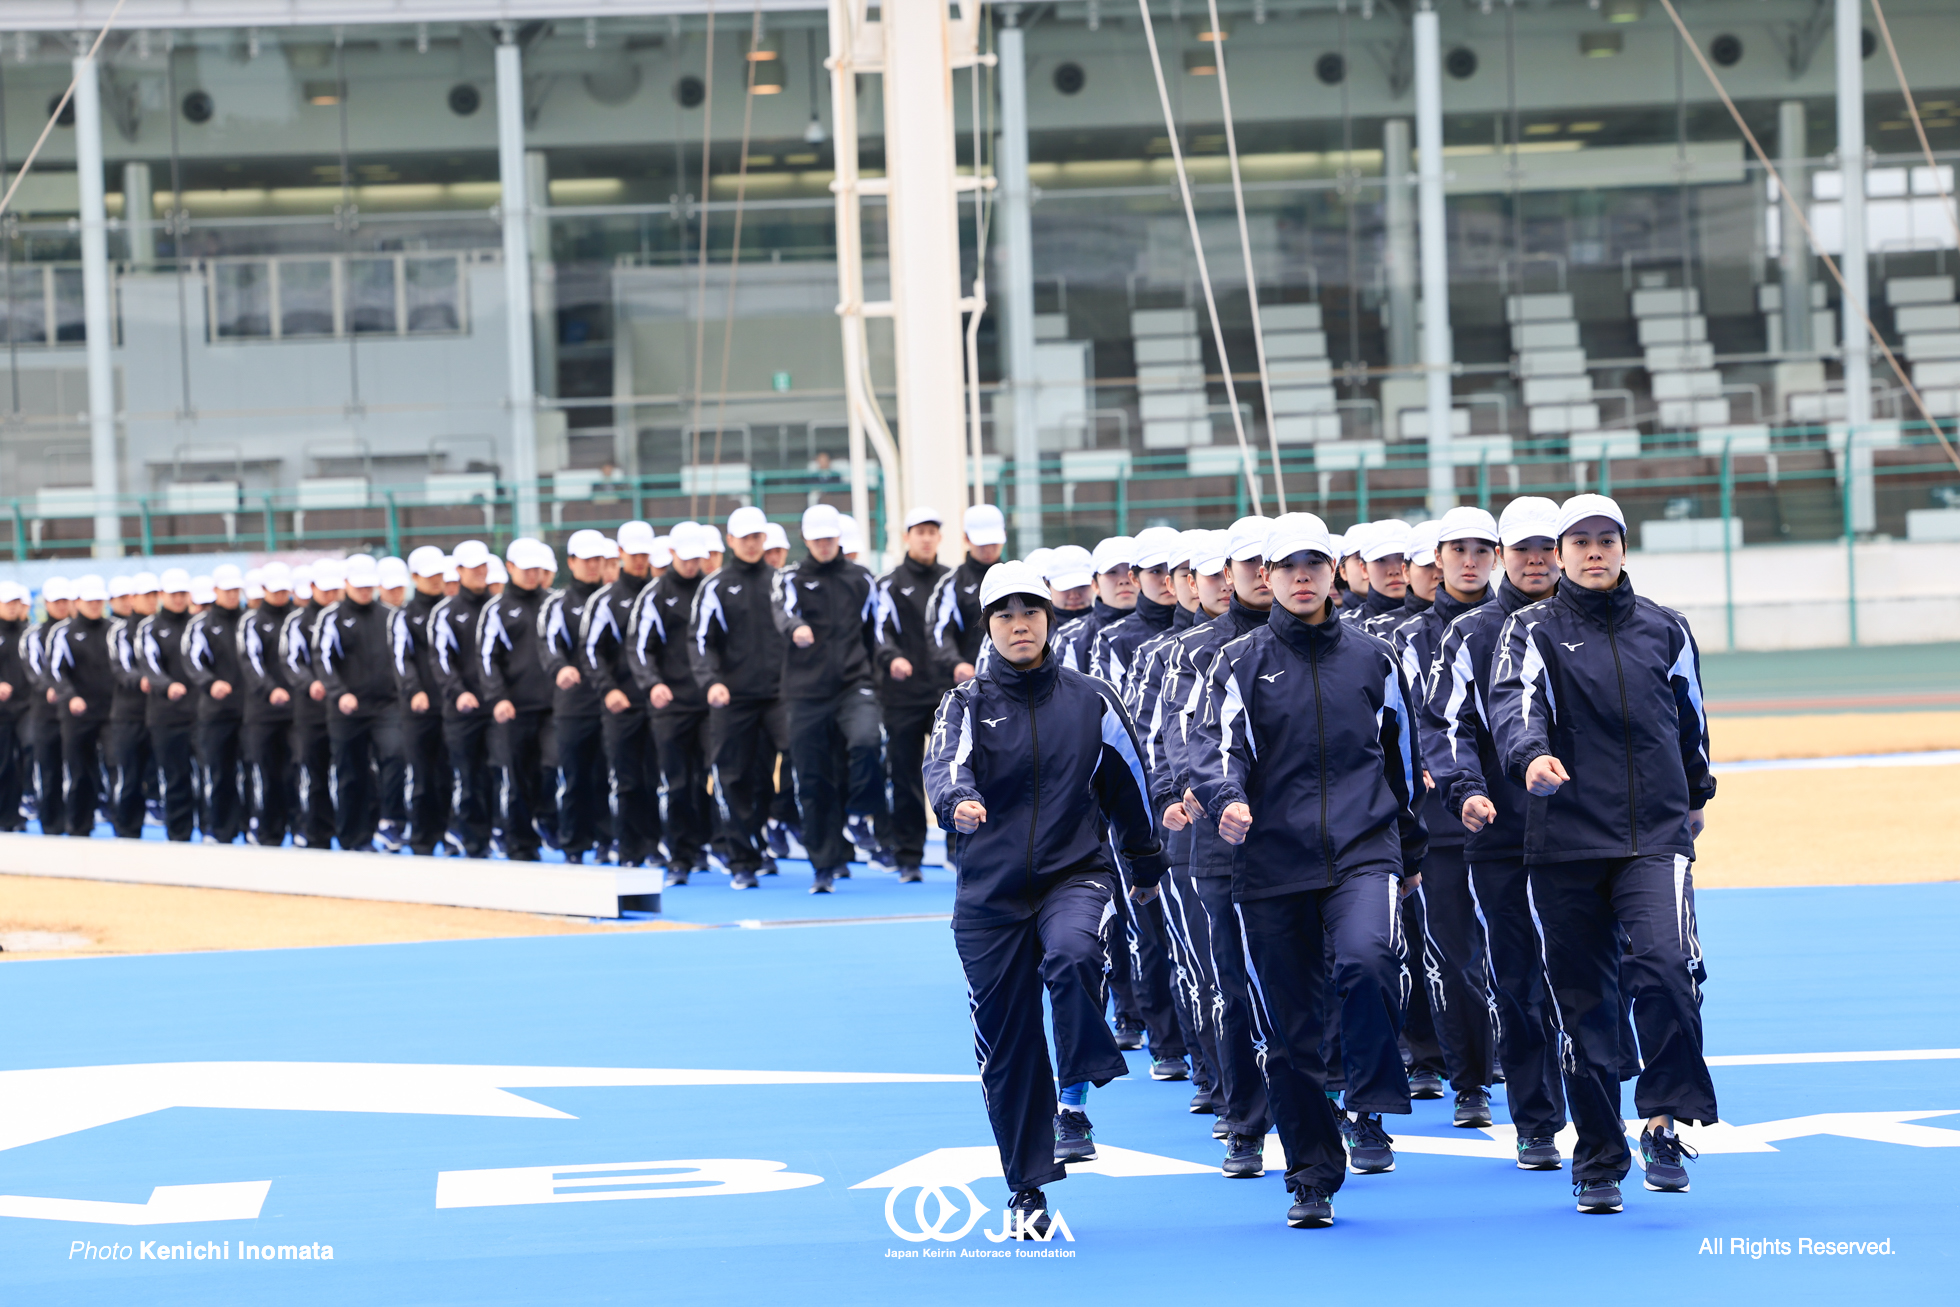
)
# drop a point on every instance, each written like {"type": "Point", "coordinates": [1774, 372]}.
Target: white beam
{"type": "Point", "coordinates": [1017, 264]}
{"type": "Point", "coordinates": [1400, 219]}
{"type": "Point", "coordinates": [75, 15]}
{"type": "Point", "coordinates": [1792, 149]}
{"type": "Point", "coordinates": [1437, 351]}
{"type": "Point", "coordinates": [514, 200]}
{"type": "Point", "coordinates": [925, 262]}
{"type": "Point", "coordinates": [1851, 162]}
{"type": "Point", "coordinates": [96, 319]}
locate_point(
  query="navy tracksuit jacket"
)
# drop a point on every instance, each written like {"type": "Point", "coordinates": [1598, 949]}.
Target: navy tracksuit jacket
{"type": "Point", "coordinates": [1052, 756]}
{"type": "Point", "coordinates": [1609, 683]}
{"type": "Point", "coordinates": [1076, 641]}
{"type": "Point", "coordinates": [1311, 726]}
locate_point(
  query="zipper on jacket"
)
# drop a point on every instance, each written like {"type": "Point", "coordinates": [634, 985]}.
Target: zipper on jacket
{"type": "Point", "coordinates": [1626, 734]}
{"type": "Point", "coordinates": [1320, 727]}
{"type": "Point", "coordinates": [1034, 815]}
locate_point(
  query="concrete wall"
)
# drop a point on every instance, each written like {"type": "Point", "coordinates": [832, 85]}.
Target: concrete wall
{"type": "Point", "coordinates": [1796, 596]}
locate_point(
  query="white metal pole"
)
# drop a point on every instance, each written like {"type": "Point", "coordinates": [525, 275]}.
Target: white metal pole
{"type": "Point", "coordinates": [96, 320]}
{"type": "Point", "coordinates": [514, 201]}
{"type": "Point", "coordinates": [925, 254]}
{"type": "Point", "coordinates": [1851, 165]}
{"type": "Point", "coordinates": [1436, 347]}
{"type": "Point", "coordinates": [139, 211]}
{"type": "Point", "coordinates": [1792, 148]}
{"type": "Point", "coordinates": [1401, 252]}
{"type": "Point", "coordinates": [1017, 260]}
{"type": "Point", "coordinates": [850, 273]}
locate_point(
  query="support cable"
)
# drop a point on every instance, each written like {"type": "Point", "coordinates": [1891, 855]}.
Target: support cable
{"type": "Point", "coordinates": [701, 278]}
{"type": "Point", "coordinates": [982, 215]}
{"type": "Point", "coordinates": [54, 114]}
{"type": "Point", "coordinates": [734, 255]}
{"type": "Point", "coordinates": [1912, 109]}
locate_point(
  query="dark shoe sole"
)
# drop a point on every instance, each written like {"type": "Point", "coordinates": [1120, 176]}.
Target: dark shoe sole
{"type": "Point", "coordinates": [1359, 1169]}
{"type": "Point", "coordinates": [1473, 1122]}
{"type": "Point", "coordinates": [1310, 1222]}
{"type": "Point", "coordinates": [1681, 1188]}
{"type": "Point", "coordinates": [1600, 1211]}
{"type": "Point", "coordinates": [1541, 1166]}
{"type": "Point", "coordinates": [1243, 1173]}
{"type": "Point", "coordinates": [1064, 1158]}
{"type": "Point", "coordinates": [1172, 1077]}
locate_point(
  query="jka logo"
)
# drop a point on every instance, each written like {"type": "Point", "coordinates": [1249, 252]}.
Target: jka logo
{"type": "Point", "coordinates": [956, 1210]}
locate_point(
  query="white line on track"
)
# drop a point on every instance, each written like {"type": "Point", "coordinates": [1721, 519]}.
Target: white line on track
{"type": "Point", "coordinates": [1876, 1055]}
{"type": "Point", "coordinates": [1929, 758]}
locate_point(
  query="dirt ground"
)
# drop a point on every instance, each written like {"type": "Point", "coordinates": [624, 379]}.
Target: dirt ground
{"type": "Point", "coordinates": [1831, 735]}
{"type": "Point", "coordinates": [1851, 826]}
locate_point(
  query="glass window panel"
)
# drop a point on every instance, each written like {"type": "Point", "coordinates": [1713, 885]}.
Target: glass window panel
{"type": "Point", "coordinates": [68, 319]}
{"type": "Point", "coordinates": [26, 308]}
{"type": "Point", "coordinates": [434, 295]}
{"type": "Point", "coordinates": [243, 294]}
{"type": "Point", "coordinates": [306, 297]}
{"type": "Point", "coordinates": [371, 296]}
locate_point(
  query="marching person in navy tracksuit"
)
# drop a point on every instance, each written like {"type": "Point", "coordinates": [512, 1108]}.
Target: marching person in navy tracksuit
{"type": "Point", "coordinates": [1596, 706]}
{"type": "Point", "coordinates": [1307, 754]}
{"type": "Point", "coordinates": [1029, 766]}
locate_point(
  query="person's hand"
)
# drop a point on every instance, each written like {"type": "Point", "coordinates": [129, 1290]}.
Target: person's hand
{"type": "Point", "coordinates": [505, 711]}
{"type": "Point", "coordinates": [963, 673]}
{"type": "Point", "coordinates": [467, 702]}
{"type": "Point", "coordinates": [143, 684]}
{"type": "Point", "coordinates": [1192, 808]}
{"type": "Point", "coordinates": [1545, 775]}
{"type": "Point", "coordinates": [176, 691]}
{"type": "Point", "coordinates": [318, 691]}
{"type": "Point", "coordinates": [567, 677]}
{"type": "Point", "coordinates": [901, 668]}
{"type": "Point", "coordinates": [968, 816]}
{"type": "Point", "coordinates": [661, 695]}
{"type": "Point", "coordinates": [1143, 894]}
{"type": "Point", "coordinates": [1428, 781]}
{"type": "Point", "coordinates": [51, 694]}
{"type": "Point", "coordinates": [616, 701]}
{"type": "Point", "coordinates": [419, 702]}
{"type": "Point", "coordinates": [1697, 822]}
{"type": "Point", "coordinates": [1409, 886]}
{"type": "Point", "coordinates": [78, 705]}
{"type": "Point", "coordinates": [717, 695]}
{"type": "Point", "coordinates": [1234, 822]}
{"type": "Point", "coordinates": [1176, 818]}
{"type": "Point", "coordinates": [1478, 812]}
{"type": "Point", "coordinates": [221, 689]}
{"type": "Point", "coordinates": [6, 691]}
{"type": "Point", "coordinates": [803, 636]}
{"type": "Point", "coordinates": [278, 698]}
{"type": "Point", "coordinates": [347, 703]}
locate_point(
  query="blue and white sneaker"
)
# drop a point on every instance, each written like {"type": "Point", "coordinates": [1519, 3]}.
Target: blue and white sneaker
{"type": "Point", "coordinates": [1312, 1209]}
{"type": "Point", "coordinates": [389, 833]}
{"type": "Point", "coordinates": [1371, 1150]}
{"type": "Point", "coordinates": [1662, 1151]}
{"type": "Point", "coordinates": [1075, 1138]}
{"type": "Point", "coordinates": [1597, 1197]}
{"type": "Point", "coordinates": [776, 836]}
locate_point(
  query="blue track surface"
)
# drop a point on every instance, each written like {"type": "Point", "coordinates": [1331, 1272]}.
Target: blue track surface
{"type": "Point", "coordinates": [1792, 971]}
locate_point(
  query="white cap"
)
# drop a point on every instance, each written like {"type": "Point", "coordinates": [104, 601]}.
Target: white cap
{"type": "Point", "coordinates": [1038, 559]}
{"type": "Point", "coordinates": [362, 573]}
{"type": "Point", "coordinates": [850, 540]}
{"type": "Point", "coordinates": [1070, 567]}
{"type": "Point", "coordinates": [636, 538]}
{"type": "Point", "coordinates": [689, 540]}
{"type": "Point", "coordinates": [1580, 507]}
{"type": "Point", "coordinates": [254, 576]}
{"type": "Point", "coordinates": [921, 515]}
{"type": "Point", "coordinates": [145, 582]}
{"type": "Point", "coordinates": [1528, 517]}
{"type": "Point", "coordinates": [175, 580]}
{"type": "Point", "coordinates": [661, 552]}
{"type": "Point", "coordinates": [747, 520]}
{"type": "Point", "coordinates": [775, 537]}
{"type": "Point", "coordinates": [60, 587]}
{"type": "Point", "coordinates": [90, 588]}
{"type": "Point", "coordinates": [820, 522]}
{"type": "Point", "coordinates": [328, 574]}
{"type": "Point", "coordinates": [1208, 553]}
{"type": "Point", "coordinates": [274, 577]}
{"type": "Point", "coordinates": [1466, 522]}
{"type": "Point", "coordinates": [1297, 531]}
{"type": "Point", "coordinates": [253, 590]}
{"type": "Point", "coordinates": [450, 572]}
{"type": "Point", "coordinates": [472, 553]}
{"type": "Point", "coordinates": [497, 575]}
{"type": "Point", "coordinates": [1422, 543]}
{"type": "Point", "coordinates": [984, 525]}
{"type": "Point", "coordinates": [1154, 546]}
{"type": "Point", "coordinates": [393, 572]}
{"type": "Point", "coordinates": [426, 561]}
{"type": "Point", "coordinates": [609, 547]}
{"type": "Point", "coordinates": [1111, 551]}
{"type": "Point", "coordinates": [12, 592]}
{"type": "Point", "coordinates": [202, 591]}
{"type": "Point", "coordinates": [585, 544]}
{"type": "Point", "coordinates": [1389, 536]}
{"type": "Point", "coordinates": [1003, 579]}
{"type": "Point", "coordinates": [713, 534]}
{"type": "Point", "coordinates": [303, 580]}
{"type": "Point", "coordinates": [1188, 544]}
{"type": "Point", "coordinates": [119, 587]}
{"type": "Point", "coordinates": [526, 551]}
{"type": "Point", "coordinates": [1352, 541]}
{"type": "Point", "coordinates": [1246, 540]}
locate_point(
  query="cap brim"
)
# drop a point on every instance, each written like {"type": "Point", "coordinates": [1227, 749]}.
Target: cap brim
{"type": "Point", "coordinates": [1071, 580]}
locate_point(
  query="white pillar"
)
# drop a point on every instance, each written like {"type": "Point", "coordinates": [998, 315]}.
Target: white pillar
{"type": "Point", "coordinates": [1792, 148]}
{"type": "Point", "coordinates": [1017, 265]}
{"type": "Point", "coordinates": [1399, 202]}
{"type": "Point", "coordinates": [544, 273]}
{"type": "Point", "coordinates": [1851, 162]}
{"type": "Point", "coordinates": [925, 260]}
{"type": "Point", "coordinates": [96, 319]}
{"type": "Point", "coordinates": [1436, 347]}
{"type": "Point", "coordinates": [514, 201]}
{"type": "Point", "coordinates": [139, 211]}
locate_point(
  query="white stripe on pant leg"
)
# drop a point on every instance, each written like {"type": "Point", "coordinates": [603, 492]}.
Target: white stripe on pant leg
{"type": "Point", "coordinates": [1261, 1018]}
{"type": "Point", "coordinates": [1567, 1056]}
{"type": "Point", "coordinates": [1687, 938]}
{"type": "Point", "coordinates": [1490, 963]}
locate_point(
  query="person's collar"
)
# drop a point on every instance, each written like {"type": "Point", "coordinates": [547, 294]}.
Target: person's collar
{"type": "Point", "coordinates": [1303, 636]}
{"type": "Point", "coordinates": [1245, 617]}
{"type": "Point", "coordinates": [1449, 607]}
{"type": "Point", "coordinates": [1030, 686]}
{"type": "Point", "coordinates": [1184, 618]}
{"type": "Point", "coordinates": [1155, 616]}
{"type": "Point", "coordinates": [1377, 603]}
{"type": "Point", "coordinates": [1414, 604]}
{"type": "Point", "coordinates": [1602, 606]}
{"type": "Point", "coordinates": [918, 568]}
{"type": "Point", "coordinates": [1511, 598]}
{"type": "Point", "coordinates": [1107, 613]}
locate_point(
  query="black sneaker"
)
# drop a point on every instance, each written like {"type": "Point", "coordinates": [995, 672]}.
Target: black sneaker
{"type": "Point", "coordinates": [1311, 1210]}
{"type": "Point", "coordinates": [675, 876]}
{"type": "Point", "coordinates": [1597, 1197]}
{"type": "Point", "coordinates": [1370, 1149]}
{"type": "Point", "coordinates": [1218, 1128]}
{"type": "Point", "coordinates": [1472, 1108]}
{"type": "Point", "coordinates": [769, 865]}
{"type": "Point", "coordinates": [1169, 1068]}
{"type": "Point", "coordinates": [1129, 1038]}
{"type": "Point", "coordinates": [820, 882]}
{"type": "Point", "coordinates": [741, 880]}
{"type": "Point", "coordinates": [1425, 1084]}
{"type": "Point", "coordinates": [1205, 1102]}
{"type": "Point", "coordinates": [775, 837]}
{"type": "Point", "coordinates": [1539, 1153]}
{"type": "Point", "coordinates": [1663, 1151]}
{"type": "Point", "coordinates": [911, 876]}
{"type": "Point", "coordinates": [1245, 1157]}
{"type": "Point", "coordinates": [1035, 1203]}
{"type": "Point", "coordinates": [1075, 1138]}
